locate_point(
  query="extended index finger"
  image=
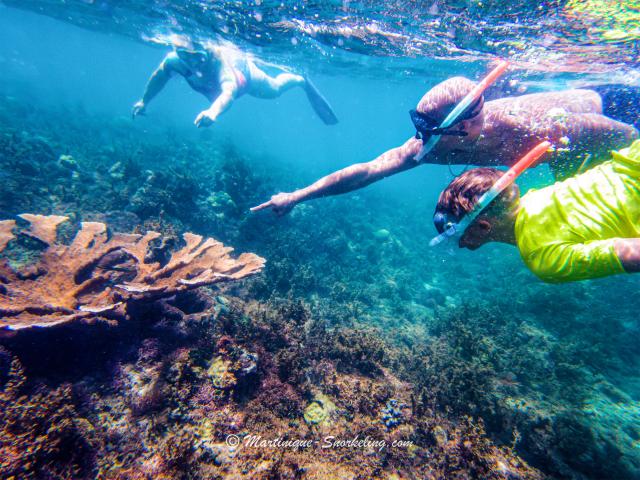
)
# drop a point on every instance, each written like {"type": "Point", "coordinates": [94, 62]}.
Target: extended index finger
{"type": "Point", "coordinates": [262, 206]}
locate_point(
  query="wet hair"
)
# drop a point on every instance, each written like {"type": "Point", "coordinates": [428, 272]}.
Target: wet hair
{"type": "Point", "coordinates": [441, 99]}
{"type": "Point", "coordinates": [463, 193]}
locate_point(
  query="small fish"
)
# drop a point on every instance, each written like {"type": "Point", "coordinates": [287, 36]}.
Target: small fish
{"type": "Point", "coordinates": [117, 269]}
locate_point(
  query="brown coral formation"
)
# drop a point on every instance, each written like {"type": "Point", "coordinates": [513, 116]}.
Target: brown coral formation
{"type": "Point", "coordinates": [99, 274]}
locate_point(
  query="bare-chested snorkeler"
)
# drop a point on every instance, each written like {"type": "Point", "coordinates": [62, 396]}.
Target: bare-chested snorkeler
{"type": "Point", "coordinates": [223, 73]}
{"type": "Point", "coordinates": [493, 134]}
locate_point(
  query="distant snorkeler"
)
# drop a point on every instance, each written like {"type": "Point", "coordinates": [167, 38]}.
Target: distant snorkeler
{"type": "Point", "coordinates": [581, 228]}
{"type": "Point", "coordinates": [490, 133]}
{"type": "Point", "coordinates": [222, 73]}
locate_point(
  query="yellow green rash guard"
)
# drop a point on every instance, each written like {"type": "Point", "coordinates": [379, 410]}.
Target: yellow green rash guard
{"type": "Point", "coordinates": [566, 232]}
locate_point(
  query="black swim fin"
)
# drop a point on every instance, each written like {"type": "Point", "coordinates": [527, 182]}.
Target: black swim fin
{"type": "Point", "coordinates": [320, 104]}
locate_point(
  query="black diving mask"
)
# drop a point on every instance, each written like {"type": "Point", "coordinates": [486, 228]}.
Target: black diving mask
{"type": "Point", "coordinates": [442, 222]}
{"type": "Point", "coordinates": [427, 126]}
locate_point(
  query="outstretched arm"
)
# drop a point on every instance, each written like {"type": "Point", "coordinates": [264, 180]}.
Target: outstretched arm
{"type": "Point", "coordinates": [228, 89]}
{"type": "Point", "coordinates": [157, 81]}
{"type": "Point", "coordinates": [350, 178]}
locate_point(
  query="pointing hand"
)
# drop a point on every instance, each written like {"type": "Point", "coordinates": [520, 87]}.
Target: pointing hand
{"type": "Point", "coordinates": [281, 204]}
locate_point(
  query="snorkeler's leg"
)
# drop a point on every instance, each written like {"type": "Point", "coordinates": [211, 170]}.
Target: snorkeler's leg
{"type": "Point", "coordinates": [265, 86]}
{"type": "Point", "coordinates": [620, 102]}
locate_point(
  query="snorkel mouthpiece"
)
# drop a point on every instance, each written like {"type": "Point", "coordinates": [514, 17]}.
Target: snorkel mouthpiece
{"type": "Point", "coordinates": [449, 229]}
{"type": "Point", "coordinates": [470, 98]}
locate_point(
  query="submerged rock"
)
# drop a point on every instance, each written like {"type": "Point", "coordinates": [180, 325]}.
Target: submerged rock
{"type": "Point", "coordinates": [439, 435]}
{"type": "Point", "coordinates": [221, 375]}
{"type": "Point", "coordinates": [68, 162]}
{"type": "Point", "coordinates": [382, 234]}
{"type": "Point", "coordinates": [319, 411]}
{"type": "Point", "coordinates": [233, 368]}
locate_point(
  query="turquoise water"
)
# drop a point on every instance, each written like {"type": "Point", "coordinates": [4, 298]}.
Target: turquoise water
{"type": "Point", "coordinates": [551, 370]}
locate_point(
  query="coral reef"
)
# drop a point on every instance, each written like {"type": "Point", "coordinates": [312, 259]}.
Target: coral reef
{"type": "Point", "coordinates": [319, 411]}
{"type": "Point", "coordinates": [221, 375]}
{"type": "Point", "coordinates": [98, 276]}
{"type": "Point", "coordinates": [170, 409]}
{"type": "Point", "coordinates": [392, 414]}
{"type": "Point", "coordinates": [42, 435]}
{"type": "Point", "coordinates": [492, 372]}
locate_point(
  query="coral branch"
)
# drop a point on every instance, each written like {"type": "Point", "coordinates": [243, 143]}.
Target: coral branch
{"type": "Point", "coordinates": [6, 234]}
{"type": "Point", "coordinates": [43, 227]}
{"type": "Point", "coordinates": [97, 276]}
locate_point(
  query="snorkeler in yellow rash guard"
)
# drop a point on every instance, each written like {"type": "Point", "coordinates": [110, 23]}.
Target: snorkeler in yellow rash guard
{"type": "Point", "coordinates": [584, 227]}
{"type": "Point", "coordinates": [223, 73]}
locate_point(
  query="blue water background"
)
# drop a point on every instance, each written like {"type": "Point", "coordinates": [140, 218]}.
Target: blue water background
{"type": "Point", "coordinates": [105, 73]}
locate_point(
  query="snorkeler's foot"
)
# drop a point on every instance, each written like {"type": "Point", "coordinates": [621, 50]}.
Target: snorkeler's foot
{"type": "Point", "coordinates": [320, 104]}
